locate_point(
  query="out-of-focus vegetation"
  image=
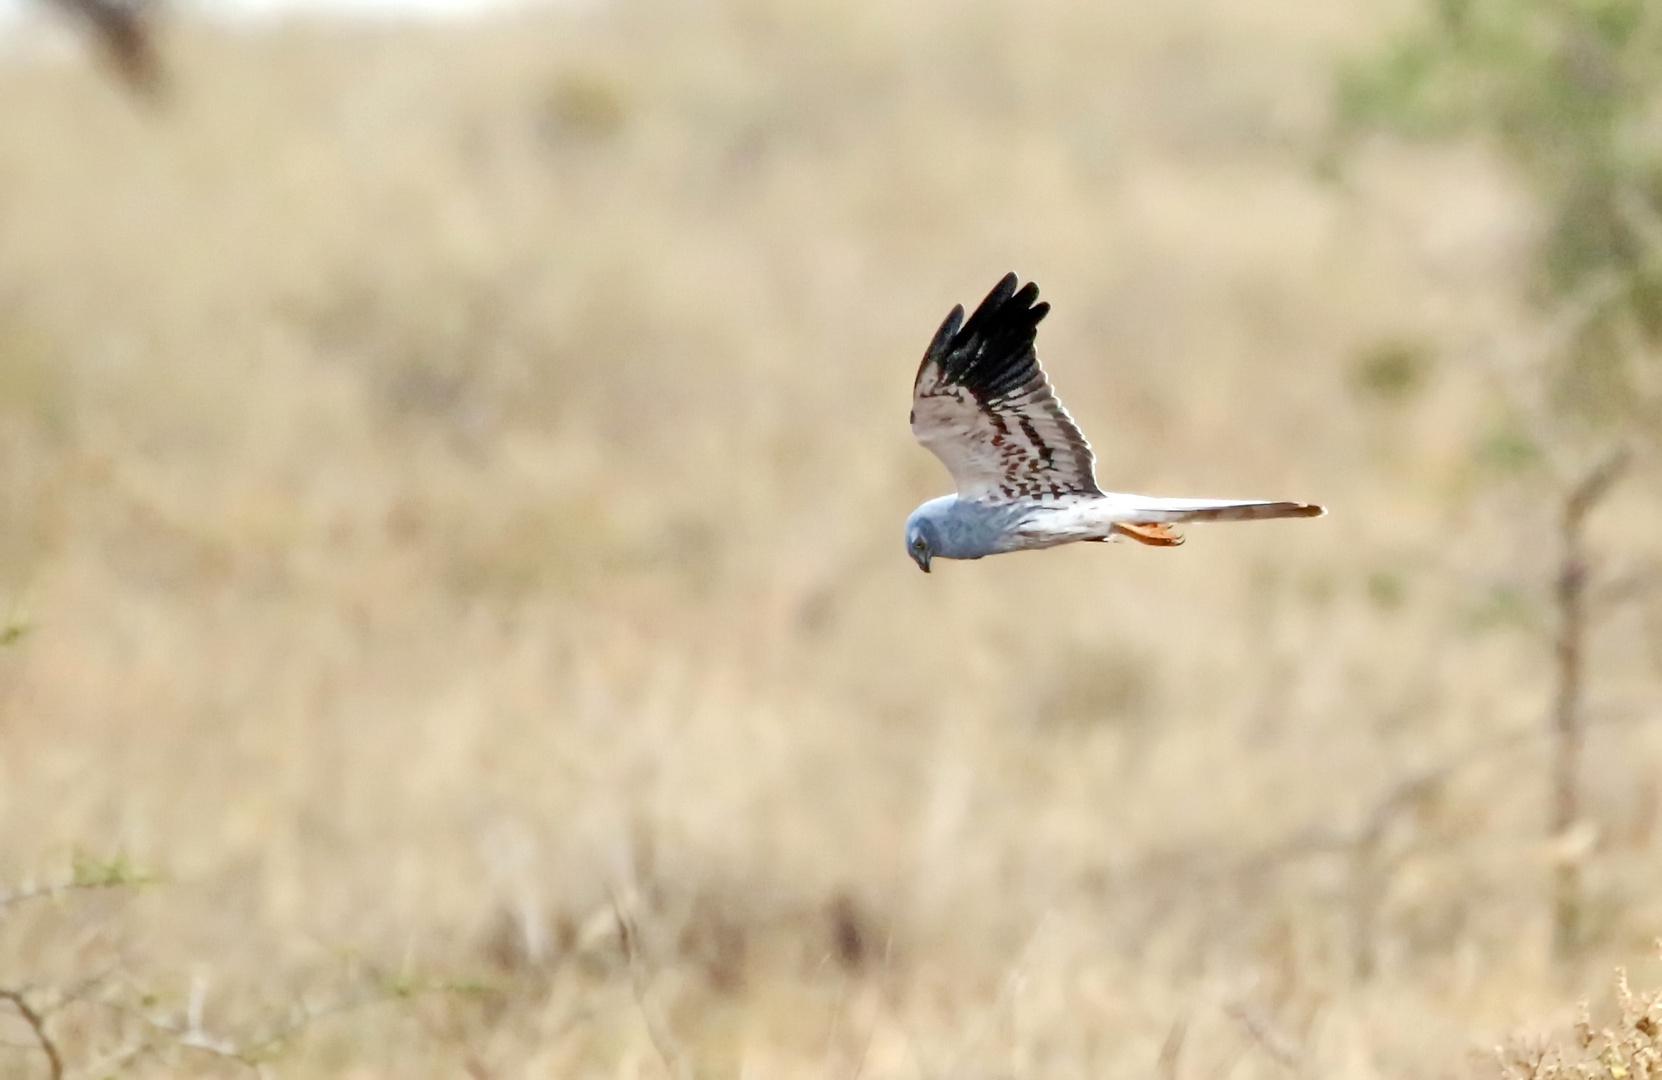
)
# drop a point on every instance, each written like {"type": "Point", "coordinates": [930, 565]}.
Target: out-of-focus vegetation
{"type": "Point", "coordinates": [1569, 92]}
{"type": "Point", "coordinates": [450, 494]}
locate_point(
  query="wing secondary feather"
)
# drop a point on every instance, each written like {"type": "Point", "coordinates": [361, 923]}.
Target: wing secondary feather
{"type": "Point", "coordinates": [981, 403]}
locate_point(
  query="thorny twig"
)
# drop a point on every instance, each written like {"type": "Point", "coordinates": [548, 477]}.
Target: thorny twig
{"type": "Point", "coordinates": [250, 1052]}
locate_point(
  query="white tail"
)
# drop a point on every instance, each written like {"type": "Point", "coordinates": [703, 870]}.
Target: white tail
{"type": "Point", "coordinates": [1143, 509]}
{"type": "Point", "coordinates": [1149, 520]}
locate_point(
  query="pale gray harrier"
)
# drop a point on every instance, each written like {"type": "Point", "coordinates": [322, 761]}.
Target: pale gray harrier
{"type": "Point", "coordinates": [1024, 473]}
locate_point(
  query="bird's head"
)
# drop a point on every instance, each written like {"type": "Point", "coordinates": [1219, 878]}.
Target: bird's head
{"type": "Point", "coordinates": [921, 544]}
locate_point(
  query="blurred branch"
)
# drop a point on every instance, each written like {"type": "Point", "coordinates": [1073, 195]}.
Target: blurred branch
{"type": "Point", "coordinates": [37, 1024]}
{"type": "Point", "coordinates": [1165, 1068]}
{"type": "Point", "coordinates": [1364, 844]}
{"type": "Point", "coordinates": [1277, 1044]}
{"type": "Point", "coordinates": [125, 31]}
{"type": "Point", "coordinates": [663, 1040]}
{"type": "Point", "coordinates": [1570, 595]}
{"type": "Point", "coordinates": [52, 892]}
{"type": "Point", "coordinates": [110, 1063]}
{"type": "Point", "coordinates": [251, 1051]}
{"type": "Point", "coordinates": [1383, 811]}
{"type": "Point", "coordinates": [1592, 488]}
{"type": "Point", "coordinates": [88, 874]}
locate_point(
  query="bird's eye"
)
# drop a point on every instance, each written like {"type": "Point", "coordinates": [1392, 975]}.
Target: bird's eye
{"type": "Point", "coordinates": [918, 544]}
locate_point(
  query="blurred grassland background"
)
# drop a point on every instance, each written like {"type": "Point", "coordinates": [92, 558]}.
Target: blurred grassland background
{"type": "Point", "coordinates": [451, 482]}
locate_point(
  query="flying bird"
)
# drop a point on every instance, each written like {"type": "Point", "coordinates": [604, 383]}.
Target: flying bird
{"type": "Point", "coordinates": [1026, 477]}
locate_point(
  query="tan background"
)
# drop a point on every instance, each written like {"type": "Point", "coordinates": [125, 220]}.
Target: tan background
{"type": "Point", "coordinates": [452, 478]}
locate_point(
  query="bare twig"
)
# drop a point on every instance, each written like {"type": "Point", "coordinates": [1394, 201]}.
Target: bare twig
{"type": "Point", "coordinates": [1364, 844]}
{"type": "Point", "coordinates": [111, 1063]}
{"type": "Point", "coordinates": [53, 892]}
{"type": "Point", "coordinates": [663, 1040]}
{"type": "Point", "coordinates": [1594, 486]}
{"type": "Point", "coordinates": [37, 1024]}
{"type": "Point", "coordinates": [1277, 1044]}
{"type": "Point", "coordinates": [1009, 987]}
{"type": "Point", "coordinates": [251, 1051]}
{"type": "Point", "coordinates": [1384, 810]}
{"type": "Point", "coordinates": [871, 1032]}
{"type": "Point", "coordinates": [1165, 1068]}
{"type": "Point", "coordinates": [1370, 871]}
{"type": "Point", "coordinates": [1568, 729]}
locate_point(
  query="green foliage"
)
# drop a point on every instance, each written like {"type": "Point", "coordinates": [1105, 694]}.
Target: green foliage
{"type": "Point", "coordinates": [92, 872]}
{"type": "Point", "coordinates": [1507, 448]}
{"type": "Point", "coordinates": [1571, 92]}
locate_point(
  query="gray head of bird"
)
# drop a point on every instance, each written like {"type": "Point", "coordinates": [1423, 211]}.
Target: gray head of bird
{"type": "Point", "coordinates": [921, 541]}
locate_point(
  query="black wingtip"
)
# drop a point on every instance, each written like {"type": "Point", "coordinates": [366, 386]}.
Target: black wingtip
{"type": "Point", "coordinates": [1008, 313]}
{"type": "Point", "coordinates": [948, 330]}
{"type": "Point", "coordinates": [991, 354]}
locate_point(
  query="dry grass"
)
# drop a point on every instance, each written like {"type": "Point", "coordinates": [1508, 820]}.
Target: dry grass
{"type": "Point", "coordinates": [1628, 1048]}
{"type": "Point", "coordinates": [452, 481]}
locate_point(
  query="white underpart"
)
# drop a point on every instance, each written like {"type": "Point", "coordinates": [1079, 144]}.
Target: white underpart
{"type": "Point", "coordinates": [1094, 517]}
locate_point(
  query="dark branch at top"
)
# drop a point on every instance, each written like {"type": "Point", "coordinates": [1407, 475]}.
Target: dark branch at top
{"type": "Point", "coordinates": [125, 30]}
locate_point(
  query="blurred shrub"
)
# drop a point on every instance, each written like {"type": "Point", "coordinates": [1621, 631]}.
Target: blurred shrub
{"type": "Point", "coordinates": [583, 106]}
{"type": "Point", "coordinates": [1505, 447]}
{"type": "Point", "coordinates": [1387, 588]}
{"type": "Point", "coordinates": [34, 387]}
{"type": "Point", "coordinates": [1501, 606]}
{"type": "Point", "coordinates": [1392, 370]}
{"type": "Point", "coordinates": [1569, 91]}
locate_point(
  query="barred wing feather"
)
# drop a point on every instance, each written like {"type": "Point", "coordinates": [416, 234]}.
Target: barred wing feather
{"type": "Point", "coordinates": [981, 403]}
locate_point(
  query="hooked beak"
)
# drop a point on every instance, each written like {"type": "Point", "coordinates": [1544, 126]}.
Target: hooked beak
{"type": "Point", "coordinates": [923, 563]}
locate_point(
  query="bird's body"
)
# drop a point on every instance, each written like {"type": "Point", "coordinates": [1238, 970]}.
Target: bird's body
{"type": "Point", "coordinates": [1025, 474]}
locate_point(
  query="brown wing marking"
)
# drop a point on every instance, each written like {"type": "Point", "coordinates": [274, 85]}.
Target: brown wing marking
{"type": "Point", "coordinates": [982, 404]}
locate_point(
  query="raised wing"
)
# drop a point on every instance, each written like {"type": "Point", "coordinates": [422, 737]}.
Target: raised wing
{"type": "Point", "coordinates": [982, 405]}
